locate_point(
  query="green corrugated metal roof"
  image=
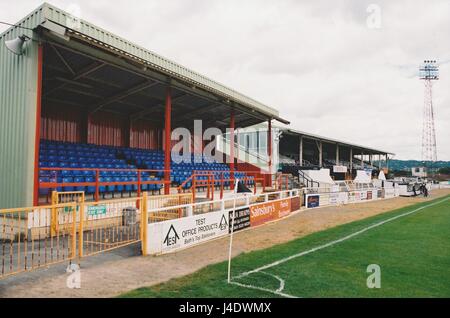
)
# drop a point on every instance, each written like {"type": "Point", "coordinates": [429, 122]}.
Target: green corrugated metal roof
{"type": "Point", "coordinates": [153, 60]}
{"type": "Point", "coordinates": [31, 21]}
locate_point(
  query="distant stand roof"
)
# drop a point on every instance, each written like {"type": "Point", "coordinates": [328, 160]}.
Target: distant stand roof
{"type": "Point", "coordinates": [326, 139]}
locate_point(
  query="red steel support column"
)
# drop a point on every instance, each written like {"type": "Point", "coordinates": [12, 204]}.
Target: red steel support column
{"type": "Point", "coordinates": [232, 149]}
{"type": "Point", "coordinates": [237, 138]}
{"type": "Point", "coordinates": [167, 136]}
{"type": "Point", "coordinates": [194, 186]}
{"type": "Point", "coordinates": [138, 201]}
{"type": "Point", "coordinates": [221, 186]}
{"type": "Point", "coordinates": [207, 186]}
{"type": "Point", "coordinates": [139, 184]}
{"type": "Point", "coordinates": [97, 179]}
{"type": "Point", "coordinates": [269, 150]}
{"type": "Point", "coordinates": [212, 187]}
{"type": "Point", "coordinates": [37, 136]}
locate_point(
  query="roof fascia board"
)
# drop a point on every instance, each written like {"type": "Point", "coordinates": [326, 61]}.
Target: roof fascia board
{"type": "Point", "coordinates": [154, 60]}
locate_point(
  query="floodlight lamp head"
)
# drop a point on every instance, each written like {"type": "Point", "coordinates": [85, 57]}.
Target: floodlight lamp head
{"type": "Point", "coordinates": [16, 45]}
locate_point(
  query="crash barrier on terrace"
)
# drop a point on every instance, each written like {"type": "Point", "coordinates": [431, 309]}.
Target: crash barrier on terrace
{"type": "Point", "coordinates": [284, 181]}
{"type": "Point", "coordinates": [97, 183]}
{"type": "Point", "coordinates": [69, 229]}
{"type": "Point", "coordinates": [100, 184]}
{"type": "Point", "coordinates": [210, 181]}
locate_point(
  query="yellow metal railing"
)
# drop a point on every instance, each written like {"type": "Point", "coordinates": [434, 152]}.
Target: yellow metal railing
{"type": "Point", "coordinates": [71, 228]}
{"type": "Point", "coordinates": [110, 224]}
{"type": "Point", "coordinates": [27, 241]}
{"type": "Point", "coordinates": [64, 197]}
{"type": "Point", "coordinates": [164, 201]}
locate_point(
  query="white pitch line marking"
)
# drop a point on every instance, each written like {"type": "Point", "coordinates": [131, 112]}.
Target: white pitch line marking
{"type": "Point", "coordinates": [280, 289]}
{"type": "Point", "coordinates": [275, 292]}
{"type": "Point", "coordinates": [278, 292]}
{"type": "Point", "coordinates": [260, 269]}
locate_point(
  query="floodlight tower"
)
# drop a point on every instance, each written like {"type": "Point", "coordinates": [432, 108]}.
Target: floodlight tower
{"type": "Point", "coordinates": [429, 72]}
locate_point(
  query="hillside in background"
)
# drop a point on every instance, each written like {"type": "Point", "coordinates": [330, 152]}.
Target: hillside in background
{"type": "Point", "coordinates": [406, 165]}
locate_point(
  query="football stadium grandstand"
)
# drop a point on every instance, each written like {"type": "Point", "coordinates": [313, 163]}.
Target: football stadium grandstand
{"type": "Point", "coordinates": [84, 109]}
{"type": "Point", "coordinates": [89, 127]}
{"type": "Point", "coordinates": [87, 111]}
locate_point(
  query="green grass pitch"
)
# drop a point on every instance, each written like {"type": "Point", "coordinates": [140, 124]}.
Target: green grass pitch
{"type": "Point", "coordinates": [413, 252]}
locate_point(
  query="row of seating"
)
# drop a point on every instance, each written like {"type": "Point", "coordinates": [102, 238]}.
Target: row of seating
{"type": "Point", "coordinates": [66, 155]}
{"type": "Point", "coordinates": [78, 154]}
{"type": "Point", "coordinates": [180, 171]}
{"type": "Point", "coordinates": [68, 146]}
{"type": "Point", "coordinates": [102, 189]}
{"type": "Point", "coordinates": [76, 165]}
{"type": "Point", "coordinates": [91, 173]}
{"type": "Point", "coordinates": [71, 159]}
{"type": "Point", "coordinates": [81, 159]}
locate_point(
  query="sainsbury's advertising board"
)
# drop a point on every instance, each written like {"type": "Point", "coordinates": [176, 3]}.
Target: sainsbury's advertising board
{"type": "Point", "coordinates": [268, 211]}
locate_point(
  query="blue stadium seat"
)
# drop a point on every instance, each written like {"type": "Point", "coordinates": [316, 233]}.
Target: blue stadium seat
{"type": "Point", "coordinates": [145, 187]}
{"type": "Point", "coordinates": [66, 173]}
{"type": "Point", "coordinates": [135, 186]}
{"type": "Point", "coordinates": [110, 188]}
{"type": "Point", "coordinates": [68, 180]}
{"type": "Point", "coordinates": [101, 188]}
{"type": "Point", "coordinates": [79, 180]}
{"type": "Point", "coordinates": [128, 187]}
{"type": "Point", "coordinates": [119, 188]}
{"type": "Point", "coordinates": [44, 191]}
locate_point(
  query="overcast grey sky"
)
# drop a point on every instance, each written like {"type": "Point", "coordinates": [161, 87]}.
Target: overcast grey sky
{"type": "Point", "coordinates": [334, 68]}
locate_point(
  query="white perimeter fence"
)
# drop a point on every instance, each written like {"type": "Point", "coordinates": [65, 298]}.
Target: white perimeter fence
{"type": "Point", "coordinates": [203, 221]}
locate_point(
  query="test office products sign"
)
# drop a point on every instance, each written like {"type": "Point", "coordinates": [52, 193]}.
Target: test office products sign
{"type": "Point", "coordinates": [174, 235]}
